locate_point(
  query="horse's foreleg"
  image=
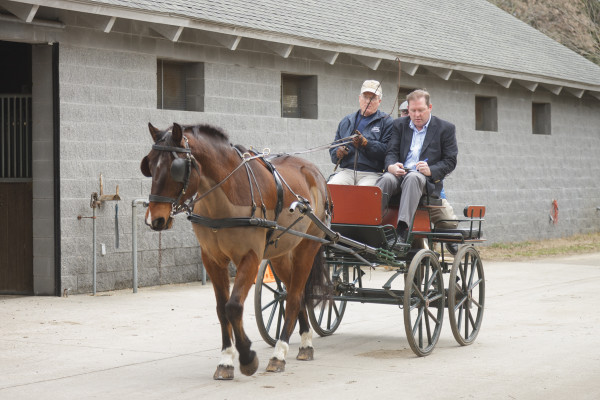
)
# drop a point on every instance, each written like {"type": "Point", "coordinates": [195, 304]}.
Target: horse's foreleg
{"type": "Point", "coordinates": [306, 351]}
{"type": "Point", "coordinates": [220, 280]}
{"type": "Point", "coordinates": [246, 274]}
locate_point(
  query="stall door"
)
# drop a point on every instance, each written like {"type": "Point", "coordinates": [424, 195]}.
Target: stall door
{"type": "Point", "coordinates": [16, 222]}
{"type": "Point", "coordinates": [16, 243]}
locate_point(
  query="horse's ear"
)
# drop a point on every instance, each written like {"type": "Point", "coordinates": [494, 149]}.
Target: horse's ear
{"type": "Point", "coordinates": [176, 133]}
{"type": "Point", "coordinates": [154, 132]}
{"type": "Point", "coordinates": [145, 167]}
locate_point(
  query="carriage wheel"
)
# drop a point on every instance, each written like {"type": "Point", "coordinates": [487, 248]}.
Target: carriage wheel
{"type": "Point", "coordinates": [269, 304]}
{"type": "Point", "coordinates": [466, 295]}
{"type": "Point", "coordinates": [325, 314]}
{"type": "Point", "coordinates": [423, 302]}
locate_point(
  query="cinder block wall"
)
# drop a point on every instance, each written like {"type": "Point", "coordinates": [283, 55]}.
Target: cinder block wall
{"type": "Point", "coordinates": [518, 174]}
{"type": "Point", "coordinates": [108, 96]}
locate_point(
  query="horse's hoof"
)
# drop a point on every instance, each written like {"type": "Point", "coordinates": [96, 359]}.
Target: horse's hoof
{"type": "Point", "coordinates": [306, 354]}
{"type": "Point", "coordinates": [276, 365]}
{"type": "Point", "coordinates": [249, 369]}
{"type": "Point", "coordinates": [224, 373]}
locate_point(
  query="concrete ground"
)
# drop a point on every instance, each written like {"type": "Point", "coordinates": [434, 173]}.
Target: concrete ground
{"type": "Point", "coordinates": [539, 340]}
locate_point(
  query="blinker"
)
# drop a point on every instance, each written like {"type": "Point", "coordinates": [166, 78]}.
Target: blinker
{"type": "Point", "coordinates": [179, 170]}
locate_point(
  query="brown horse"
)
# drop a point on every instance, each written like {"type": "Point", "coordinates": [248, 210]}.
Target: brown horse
{"type": "Point", "coordinates": [198, 160]}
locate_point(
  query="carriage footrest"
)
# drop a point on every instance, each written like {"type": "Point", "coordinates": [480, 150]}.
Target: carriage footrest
{"type": "Point", "coordinates": [465, 234]}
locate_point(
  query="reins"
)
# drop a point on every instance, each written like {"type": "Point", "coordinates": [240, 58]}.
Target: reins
{"type": "Point", "coordinates": [246, 157]}
{"type": "Point", "coordinates": [233, 222]}
{"type": "Point", "coordinates": [335, 143]}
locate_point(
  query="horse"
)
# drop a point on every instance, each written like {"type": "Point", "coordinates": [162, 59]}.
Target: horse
{"type": "Point", "coordinates": [226, 180]}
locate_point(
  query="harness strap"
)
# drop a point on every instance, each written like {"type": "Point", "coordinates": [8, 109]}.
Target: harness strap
{"type": "Point", "coordinates": [278, 185]}
{"type": "Point", "coordinates": [171, 148]}
{"type": "Point", "coordinates": [196, 199]}
{"type": "Point", "coordinates": [249, 172]}
{"type": "Point", "coordinates": [160, 199]}
{"type": "Point", "coordinates": [231, 222]}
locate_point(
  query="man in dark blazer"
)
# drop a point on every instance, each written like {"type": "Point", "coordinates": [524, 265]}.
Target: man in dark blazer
{"type": "Point", "coordinates": [421, 152]}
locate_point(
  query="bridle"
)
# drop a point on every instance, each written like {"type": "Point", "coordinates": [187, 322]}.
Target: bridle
{"type": "Point", "coordinates": [180, 172]}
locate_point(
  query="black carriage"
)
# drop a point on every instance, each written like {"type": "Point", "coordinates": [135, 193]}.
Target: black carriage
{"type": "Point", "coordinates": [365, 237]}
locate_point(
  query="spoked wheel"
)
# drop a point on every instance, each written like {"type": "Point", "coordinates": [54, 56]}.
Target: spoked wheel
{"type": "Point", "coordinates": [423, 302]}
{"type": "Point", "coordinates": [269, 304]}
{"type": "Point", "coordinates": [466, 295]}
{"type": "Point", "coordinates": [325, 313]}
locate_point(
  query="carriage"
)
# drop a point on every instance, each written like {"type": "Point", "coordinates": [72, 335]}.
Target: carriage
{"type": "Point", "coordinates": [247, 206]}
{"type": "Point", "coordinates": [366, 237]}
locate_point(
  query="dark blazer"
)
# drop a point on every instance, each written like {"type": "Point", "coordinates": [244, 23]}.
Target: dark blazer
{"type": "Point", "coordinates": [439, 148]}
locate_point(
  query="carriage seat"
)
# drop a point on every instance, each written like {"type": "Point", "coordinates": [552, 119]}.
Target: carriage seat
{"type": "Point", "coordinates": [361, 205]}
{"type": "Point", "coordinates": [357, 214]}
{"type": "Point", "coordinates": [468, 228]}
{"type": "Point", "coordinates": [356, 205]}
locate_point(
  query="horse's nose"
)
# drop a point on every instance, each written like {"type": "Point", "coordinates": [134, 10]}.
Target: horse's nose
{"type": "Point", "coordinates": [158, 223]}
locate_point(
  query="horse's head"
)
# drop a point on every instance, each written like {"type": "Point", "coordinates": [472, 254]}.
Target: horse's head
{"type": "Point", "coordinates": [170, 166]}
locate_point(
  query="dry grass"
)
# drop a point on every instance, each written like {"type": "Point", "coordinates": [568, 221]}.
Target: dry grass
{"type": "Point", "coordinates": [578, 244]}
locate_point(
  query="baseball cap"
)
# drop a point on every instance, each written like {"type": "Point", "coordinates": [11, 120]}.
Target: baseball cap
{"type": "Point", "coordinates": [371, 86]}
{"type": "Point", "coordinates": [403, 106]}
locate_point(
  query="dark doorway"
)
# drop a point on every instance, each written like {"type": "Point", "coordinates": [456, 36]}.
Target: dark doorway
{"type": "Point", "coordinates": [16, 215]}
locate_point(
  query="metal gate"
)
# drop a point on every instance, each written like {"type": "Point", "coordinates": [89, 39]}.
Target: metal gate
{"type": "Point", "coordinates": [16, 211]}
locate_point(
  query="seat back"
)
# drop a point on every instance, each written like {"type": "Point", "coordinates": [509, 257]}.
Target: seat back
{"type": "Point", "coordinates": [358, 205]}
{"type": "Point", "coordinates": [474, 211]}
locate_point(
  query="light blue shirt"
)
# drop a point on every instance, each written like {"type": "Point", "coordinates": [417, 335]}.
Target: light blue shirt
{"type": "Point", "coordinates": [415, 146]}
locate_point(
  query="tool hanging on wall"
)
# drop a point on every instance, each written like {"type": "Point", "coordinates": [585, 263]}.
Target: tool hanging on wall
{"type": "Point", "coordinates": [96, 201]}
{"type": "Point", "coordinates": [116, 226]}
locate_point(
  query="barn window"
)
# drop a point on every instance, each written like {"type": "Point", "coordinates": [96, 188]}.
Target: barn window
{"type": "Point", "coordinates": [299, 96]}
{"type": "Point", "coordinates": [540, 118]}
{"type": "Point", "coordinates": [486, 113]}
{"type": "Point", "coordinates": [180, 86]}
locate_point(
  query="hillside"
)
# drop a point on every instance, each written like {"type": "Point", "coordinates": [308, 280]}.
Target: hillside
{"type": "Point", "coordinates": [573, 23]}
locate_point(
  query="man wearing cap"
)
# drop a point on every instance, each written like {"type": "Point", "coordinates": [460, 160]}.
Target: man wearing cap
{"type": "Point", "coordinates": [421, 152]}
{"type": "Point", "coordinates": [403, 109]}
{"type": "Point", "coordinates": [361, 162]}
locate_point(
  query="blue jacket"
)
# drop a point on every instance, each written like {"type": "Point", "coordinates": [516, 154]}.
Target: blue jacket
{"type": "Point", "coordinates": [378, 133]}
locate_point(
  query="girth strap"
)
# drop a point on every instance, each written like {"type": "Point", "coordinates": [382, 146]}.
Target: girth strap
{"type": "Point", "coordinates": [278, 184]}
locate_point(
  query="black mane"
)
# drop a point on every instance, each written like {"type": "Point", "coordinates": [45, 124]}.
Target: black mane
{"type": "Point", "coordinates": [215, 132]}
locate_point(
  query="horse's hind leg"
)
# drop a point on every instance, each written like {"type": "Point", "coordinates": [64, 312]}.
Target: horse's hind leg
{"type": "Point", "coordinates": [306, 351]}
{"type": "Point", "coordinates": [220, 281]}
{"type": "Point", "coordinates": [299, 265]}
{"type": "Point", "coordinates": [246, 274]}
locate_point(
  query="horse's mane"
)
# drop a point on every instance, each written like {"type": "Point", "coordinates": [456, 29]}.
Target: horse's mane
{"type": "Point", "coordinates": [215, 132]}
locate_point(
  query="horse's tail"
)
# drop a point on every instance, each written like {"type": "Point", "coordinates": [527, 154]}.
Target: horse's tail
{"type": "Point", "coordinates": [318, 283]}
